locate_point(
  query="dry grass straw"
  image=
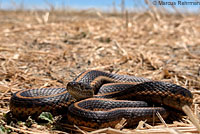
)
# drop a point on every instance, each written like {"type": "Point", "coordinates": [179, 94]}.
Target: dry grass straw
{"type": "Point", "coordinates": [21, 130]}
{"type": "Point", "coordinates": [39, 49]}
{"type": "Point", "coordinates": [192, 117]}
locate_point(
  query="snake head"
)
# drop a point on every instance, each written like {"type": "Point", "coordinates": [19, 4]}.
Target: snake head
{"type": "Point", "coordinates": [80, 90]}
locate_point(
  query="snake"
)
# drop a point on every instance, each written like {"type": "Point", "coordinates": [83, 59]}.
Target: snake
{"type": "Point", "coordinates": [99, 99]}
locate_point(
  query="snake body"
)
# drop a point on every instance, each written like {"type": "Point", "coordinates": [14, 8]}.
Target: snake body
{"type": "Point", "coordinates": [103, 99]}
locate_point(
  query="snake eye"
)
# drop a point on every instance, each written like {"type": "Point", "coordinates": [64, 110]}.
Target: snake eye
{"type": "Point", "coordinates": [82, 87]}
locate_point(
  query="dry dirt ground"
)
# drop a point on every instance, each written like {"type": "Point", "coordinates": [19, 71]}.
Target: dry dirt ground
{"type": "Point", "coordinates": [39, 49]}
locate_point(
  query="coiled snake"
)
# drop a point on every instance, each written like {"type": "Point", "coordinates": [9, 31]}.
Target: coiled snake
{"type": "Point", "coordinates": [103, 99]}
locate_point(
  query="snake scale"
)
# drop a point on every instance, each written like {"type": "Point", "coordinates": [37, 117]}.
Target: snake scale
{"type": "Point", "coordinates": [99, 99]}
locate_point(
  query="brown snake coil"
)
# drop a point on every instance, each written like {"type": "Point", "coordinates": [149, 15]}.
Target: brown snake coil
{"type": "Point", "coordinates": [105, 99]}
